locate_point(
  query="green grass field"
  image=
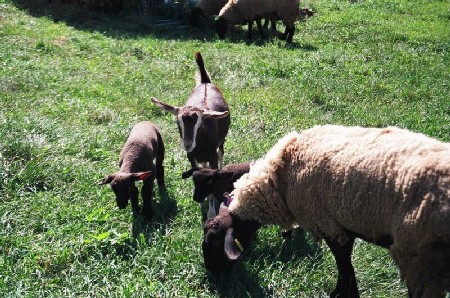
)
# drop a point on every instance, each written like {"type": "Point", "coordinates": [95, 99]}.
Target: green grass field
{"type": "Point", "coordinates": [72, 84]}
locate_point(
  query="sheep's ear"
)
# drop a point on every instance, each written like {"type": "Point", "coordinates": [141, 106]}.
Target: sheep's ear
{"type": "Point", "coordinates": [214, 114]}
{"type": "Point", "coordinates": [166, 107]}
{"type": "Point", "coordinates": [141, 175]}
{"type": "Point", "coordinates": [232, 251]}
{"type": "Point", "coordinates": [106, 180]}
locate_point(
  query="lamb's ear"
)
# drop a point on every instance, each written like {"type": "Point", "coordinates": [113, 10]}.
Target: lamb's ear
{"type": "Point", "coordinates": [232, 250]}
{"type": "Point", "coordinates": [106, 180]}
{"type": "Point", "coordinates": [214, 114]}
{"type": "Point", "coordinates": [224, 174]}
{"type": "Point", "coordinates": [141, 175]}
{"type": "Point", "coordinates": [189, 173]}
{"type": "Point", "coordinates": [166, 107]}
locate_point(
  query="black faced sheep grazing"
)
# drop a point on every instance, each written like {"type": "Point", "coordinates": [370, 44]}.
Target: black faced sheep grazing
{"type": "Point", "coordinates": [390, 187]}
{"type": "Point", "coordinates": [136, 163]}
{"type": "Point", "coordinates": [236, 12]}
{"type": "Point", "coordinates": [203, 122]}
{"type": "Point", "coordinates": [205, 8]}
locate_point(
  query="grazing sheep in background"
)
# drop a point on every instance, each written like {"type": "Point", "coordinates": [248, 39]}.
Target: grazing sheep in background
{"type": "Point", "coordinates": [209, 8]}
{"type": "Point", "coordinates": [236, 12]}
{"type": "Point", "coordinates": [136, 163]}
{"type": "Point", "coordinates": [203, 122]}
{"type": "Point", "coordinates": [390, 187]}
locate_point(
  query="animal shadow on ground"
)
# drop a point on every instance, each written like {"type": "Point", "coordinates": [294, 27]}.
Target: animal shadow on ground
{"type": "Point", "coordinates": [164, 210]}
{"type": "Point", "coordinates": [241, 280]}
{"type": "Point", "coordinates": [123, 26]}
{"type": "Point", "coordinates": [128, 26]}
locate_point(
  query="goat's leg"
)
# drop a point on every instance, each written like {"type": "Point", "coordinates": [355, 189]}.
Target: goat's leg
{"type": "Point", "coordinates": [134, 193]}
{"type": "Point", "coordinates": [346, 283]}
{"type": "Point", "coordinates": [147, 197]}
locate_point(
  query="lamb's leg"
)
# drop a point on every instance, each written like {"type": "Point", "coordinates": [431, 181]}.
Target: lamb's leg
{"type": "Point", "coordinates": [159, 167]}
{"type": "Point", "coordinates": [220, 154]}
{"type": "Point", "coordinates": [290, 35]}
{"type": "Point", "coordinates": [134, 193]}
{"type": "Point", "coordinates": [346, 284]}
{"type": "Point", "coordinates": [147, 197]}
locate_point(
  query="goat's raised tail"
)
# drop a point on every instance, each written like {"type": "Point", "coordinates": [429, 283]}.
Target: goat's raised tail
{"type": "Point", "coordinates": [202, 76]}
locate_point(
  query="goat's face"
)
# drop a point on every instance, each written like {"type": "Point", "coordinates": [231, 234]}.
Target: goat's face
{"type": "Point", "coordinates": [189, 120]}
{"type": "Point", "coordinates": [225, 238]}
{"type": "Point", "coordinates": [123, 185]}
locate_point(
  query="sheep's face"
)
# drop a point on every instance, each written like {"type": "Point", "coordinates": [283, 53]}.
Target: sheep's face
{"type": "Point", "coordinates": [195, 16]}
{"type": "Point", "coordinates": [225, 238]}
{"type": "Point", "coordinates": [215, 230]}
{"type": "Point", "coordinates": [189, 120]}
{"type": "Point", "coordinates": [221, 26]}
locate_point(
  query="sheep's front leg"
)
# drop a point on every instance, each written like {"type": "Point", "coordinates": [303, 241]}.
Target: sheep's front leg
{"type": "Point", "coordinates": [346, 284]}
{"type": "Point", "coordinates": [147, 197]}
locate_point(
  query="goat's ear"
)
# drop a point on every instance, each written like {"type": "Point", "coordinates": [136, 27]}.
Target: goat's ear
{"type": "Point", "coordinates": [106, 180]}
{"type": "Point", "coordinates": [166, 107]}
{"type": "Point", "coordinates": [232, 250]}
{"type": "Point", "coordinates": [214, 114]}
{"type": "Point", "coordinates": [141, 175]}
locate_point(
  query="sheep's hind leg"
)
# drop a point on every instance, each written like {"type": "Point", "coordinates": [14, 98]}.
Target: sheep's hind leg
{"type": "Point", "coordinates": [346, 284]}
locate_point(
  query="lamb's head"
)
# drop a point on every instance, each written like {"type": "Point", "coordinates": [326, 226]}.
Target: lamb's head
{"type": "Point", "coordinates": [226, 236]}
{"type": "Point", "coordinates": [189, 120]}
{"type": "Point", "coordinates": [205, 181]}
{"type": "Point", "coordinates": [123, 185]}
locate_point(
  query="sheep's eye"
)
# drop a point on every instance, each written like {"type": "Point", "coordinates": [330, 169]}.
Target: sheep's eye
{"type": "Point", "coordinates": [209, 182]}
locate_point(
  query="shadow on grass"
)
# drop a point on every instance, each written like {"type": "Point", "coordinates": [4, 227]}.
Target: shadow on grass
{"type": "Point", "coordinates": [163, 212]}
{"type": "Point", "coordinates": [127, 26]}
{"type": "Point", "coordinates": [124, 26]}
{"type": "Point", "coordinates": [241, 281]}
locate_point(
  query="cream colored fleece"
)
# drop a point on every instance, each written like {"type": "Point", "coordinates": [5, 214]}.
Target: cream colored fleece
{"type": "Point", "coordinates": [371, 181]}
{"type": "Point", "coordinates": [237, 12]}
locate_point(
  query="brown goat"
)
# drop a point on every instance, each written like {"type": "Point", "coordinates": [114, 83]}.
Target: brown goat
{"type": "Point", "coordinates": [136, 163]}
{"type": "Point", "coordinates": [203, 122]}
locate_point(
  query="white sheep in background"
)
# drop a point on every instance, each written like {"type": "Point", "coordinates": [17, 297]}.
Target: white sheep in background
{"type": "Point", "coordinates": [237, 12]}
{"type": "Point", "coordinates": [387, 186]}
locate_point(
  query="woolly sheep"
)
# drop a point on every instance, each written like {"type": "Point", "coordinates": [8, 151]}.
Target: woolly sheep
{"type": "Point", "coordinates": [209, 8]}
{"type": "Point", "coordinates": [387, 186]}
{"type": "Point", "coordinates": [237, 12]}
{"type": "Point", "coordinates": [144, 144]}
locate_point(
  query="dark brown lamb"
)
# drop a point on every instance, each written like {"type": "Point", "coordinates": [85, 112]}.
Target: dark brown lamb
{"type": "Point", "coordinates": [144, 144]}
